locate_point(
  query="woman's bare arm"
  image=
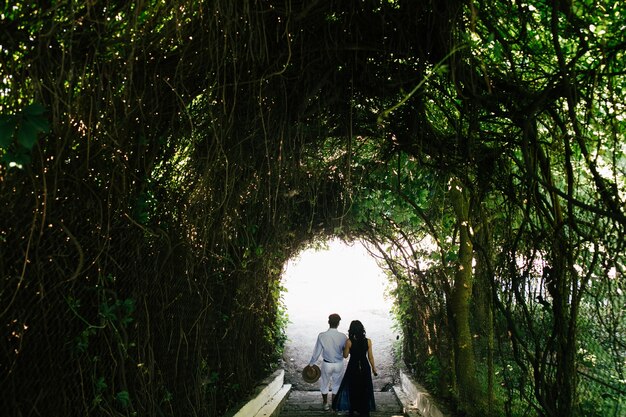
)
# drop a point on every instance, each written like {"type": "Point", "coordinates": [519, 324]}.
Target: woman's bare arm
{"type": "Point", "coordinates": [370, 356]}
{"type": "Point", "coordinates": [346, 348]}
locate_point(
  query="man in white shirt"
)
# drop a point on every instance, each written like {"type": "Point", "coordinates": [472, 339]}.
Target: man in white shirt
{"type": "Point", "coordinates": [330, 345]}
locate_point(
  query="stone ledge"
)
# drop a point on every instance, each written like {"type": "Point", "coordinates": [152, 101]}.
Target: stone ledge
{"type": "Point", "coordinates": [268, 397]}
{"type": "Point", "coordinates": [273, 407]}
{"type": "Point", "coordinates": [417, 402]}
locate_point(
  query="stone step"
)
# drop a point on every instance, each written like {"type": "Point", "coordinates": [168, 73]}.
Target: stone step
{"type": "Point", "coordinates": [331, 414]}
{"type": "Point", "coordinates": [309, 404]}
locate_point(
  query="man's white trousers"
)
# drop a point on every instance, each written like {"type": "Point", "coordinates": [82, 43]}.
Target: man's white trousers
{"type": "Point", "coordinates": [331, 373]}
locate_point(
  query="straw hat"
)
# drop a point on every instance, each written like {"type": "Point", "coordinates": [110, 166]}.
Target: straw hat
{"type": "Point", "coordinates": [311, 374]}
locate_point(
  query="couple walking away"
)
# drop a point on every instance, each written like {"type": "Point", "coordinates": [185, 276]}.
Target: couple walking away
{"type": "Point", "coordinates": [355, 391]}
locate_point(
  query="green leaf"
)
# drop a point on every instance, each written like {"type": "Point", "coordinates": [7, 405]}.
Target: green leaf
{"type": "Point", "coordinates": [423, 196]}
{"type": "Point", "coordinates": [107, 312]}
{"type": "Point", "coordinates": [123, 398]}
{"type": "Point", "coordinates": [129, 305]}
{"type": "Point", "coordinates": [27, 135]}
{"type": "Point", "coordinates": [7, 130]}
{"type": "Point", "coordinates": [100, 385]}
{"type": "Point", "coordinates": [34, 109]}
{"type": "Point", "coordinates": [40, 123]}
{"type": "Point", "coordinates": [497, 52]}
{"type": "Point", "coordinates": [452, 256]}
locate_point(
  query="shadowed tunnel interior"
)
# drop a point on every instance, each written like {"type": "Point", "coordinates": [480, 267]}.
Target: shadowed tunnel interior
{"type": "Point", "coordinates": [162, 161]}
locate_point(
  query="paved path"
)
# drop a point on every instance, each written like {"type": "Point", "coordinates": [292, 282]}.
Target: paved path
{"type": "Point", "coordinates": [309, 404]}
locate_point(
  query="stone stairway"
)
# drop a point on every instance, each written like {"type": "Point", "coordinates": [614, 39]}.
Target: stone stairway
{"type": "Point", "coordinates": [274, 398]}
{"type": "Point", "coordinates": [309, 404]}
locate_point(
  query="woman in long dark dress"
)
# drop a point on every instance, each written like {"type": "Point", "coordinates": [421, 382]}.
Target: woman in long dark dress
{"type": "Point", "coordinates": [356, 393]}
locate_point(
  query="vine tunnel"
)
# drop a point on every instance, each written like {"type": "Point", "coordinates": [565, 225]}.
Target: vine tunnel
{"type": "Point", "coordinates": [161, 162]}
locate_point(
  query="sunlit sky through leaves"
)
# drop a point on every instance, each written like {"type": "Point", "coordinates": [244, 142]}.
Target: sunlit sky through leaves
{"type": "Point", "coordinates": [343, 279]}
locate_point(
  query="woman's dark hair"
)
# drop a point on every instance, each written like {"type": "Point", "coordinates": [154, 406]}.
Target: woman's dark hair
{"type": "Point", "coordinates": [356, 331]}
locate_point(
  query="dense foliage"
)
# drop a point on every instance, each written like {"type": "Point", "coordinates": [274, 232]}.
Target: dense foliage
{"type": "Point", "coordinates": [527, 171]}
{"type": "Point", "coordinates": [160, 161]}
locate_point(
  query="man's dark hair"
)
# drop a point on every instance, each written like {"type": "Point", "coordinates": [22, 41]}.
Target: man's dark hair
{"type": "Point", "coordinates": [333, 320]}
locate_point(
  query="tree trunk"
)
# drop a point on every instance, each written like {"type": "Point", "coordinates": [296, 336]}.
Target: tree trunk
{"type": "Point", "coordinates": [483, 300]}
{"type": "Point", "coordinates": [465, 367]}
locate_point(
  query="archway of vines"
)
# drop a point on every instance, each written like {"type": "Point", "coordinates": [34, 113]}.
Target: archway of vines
{"type": "Point", "coordinates": [162, 160]}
